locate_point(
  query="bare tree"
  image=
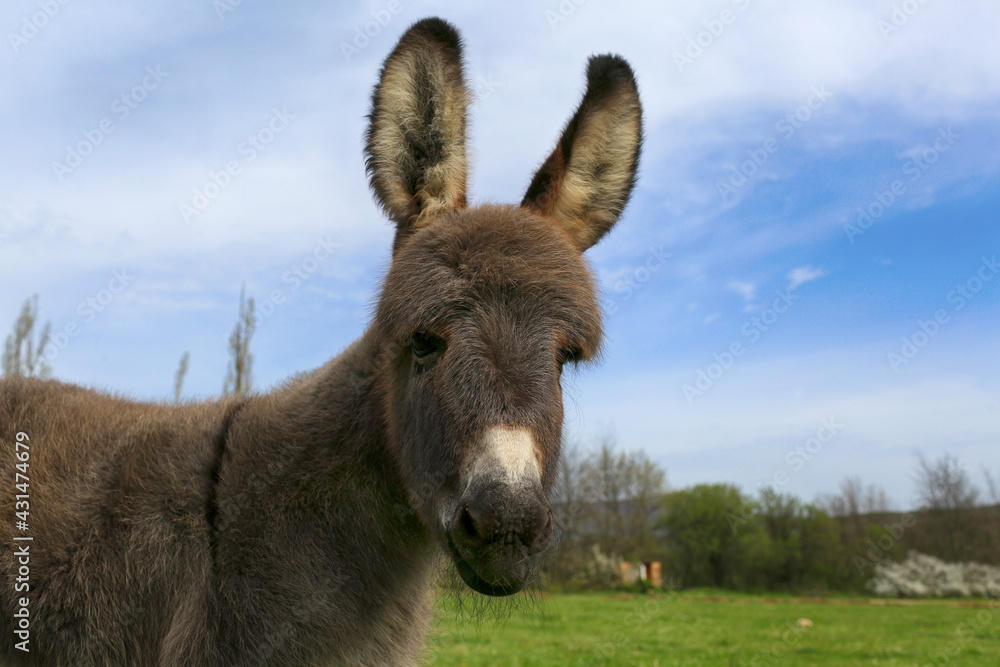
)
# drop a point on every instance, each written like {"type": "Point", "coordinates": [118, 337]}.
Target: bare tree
{"type": "Point", "coordinates": [875, 500]}
{"type": "Point", "coordinates": [182, 369]}
{"type": "Point", "coordinates": [624, 488]}
{"type": "Point", "coordinates": [945, 484]}
{"type": "Point", "coordinates": [21, 355]}
{"type": "Point", "coordinates": [852, 504]}
{"type": "Point", "coordinates": [991, 486]}
{"type": "Point", "coordinates": [952, 528]}
{"type": "Point", "coordinates": [569, 511]}
{"type": "Point", "coordinates": [567, 494]}
{"type": "Point", "coordinates": [239, 376]}
{"type": "Point", "coordinates": [603, 473]}
{"type": "Point", "coordinates": [645, 491]}
{"type": "Point", "coordinates": [848, 503]}
{"type": "Point", "coordinates": [855, 499]}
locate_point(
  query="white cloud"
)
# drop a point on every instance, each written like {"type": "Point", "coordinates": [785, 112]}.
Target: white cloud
{"type": "Point", "coordinates": [803, 274]}
{"type": "Point", "coordinates": [746, 290]}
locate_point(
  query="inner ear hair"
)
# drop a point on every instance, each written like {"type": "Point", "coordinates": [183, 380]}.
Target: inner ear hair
{"type": "Point", "coordinates": [415, 144]}
{"type": "Point", "coordinates": [586, 181]}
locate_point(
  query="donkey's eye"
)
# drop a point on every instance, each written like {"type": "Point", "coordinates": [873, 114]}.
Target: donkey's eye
{"type": "Point", "coordinates": [424, 344]}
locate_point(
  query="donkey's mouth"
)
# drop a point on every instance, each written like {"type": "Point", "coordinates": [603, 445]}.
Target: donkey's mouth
{"type": "Point", "coordinates": [499, 585]}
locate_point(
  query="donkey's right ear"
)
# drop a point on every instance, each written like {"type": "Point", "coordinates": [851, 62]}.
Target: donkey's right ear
{"type": "Point", "coordinates": [415, 145]}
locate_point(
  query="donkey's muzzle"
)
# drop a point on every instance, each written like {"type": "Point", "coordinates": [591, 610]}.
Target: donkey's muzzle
{"type": "Point", "coordinates": [494, 535]}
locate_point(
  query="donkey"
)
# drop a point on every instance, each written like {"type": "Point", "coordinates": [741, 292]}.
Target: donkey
{"type": "Point", "coordinates": [303, 526]}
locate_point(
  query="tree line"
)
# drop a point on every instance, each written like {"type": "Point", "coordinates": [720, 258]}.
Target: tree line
{"type": "Point", "coordinates": [613, 505]}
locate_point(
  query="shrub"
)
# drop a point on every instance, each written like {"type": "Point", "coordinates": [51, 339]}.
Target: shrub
{"type": "Point", "coordinates": [925, 576]}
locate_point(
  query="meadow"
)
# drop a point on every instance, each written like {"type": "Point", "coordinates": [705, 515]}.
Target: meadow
{"type": "Point", "coordinates": [714, 628]}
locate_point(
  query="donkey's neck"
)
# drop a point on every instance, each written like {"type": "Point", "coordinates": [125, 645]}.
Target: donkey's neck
{"type": "Point", "coordinates": [309, 471]}
{"type": "Point", "coordinates": [322, 425]}
{"type": "Point", "coordinates": [318, 440]}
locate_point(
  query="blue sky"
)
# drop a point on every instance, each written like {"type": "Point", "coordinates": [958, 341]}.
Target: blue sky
{"type": "Point", "coordinates": [818, 192]}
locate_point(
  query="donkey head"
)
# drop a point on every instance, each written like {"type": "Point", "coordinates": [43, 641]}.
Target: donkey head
{"type": "Point", "coordinates": [483, 306]}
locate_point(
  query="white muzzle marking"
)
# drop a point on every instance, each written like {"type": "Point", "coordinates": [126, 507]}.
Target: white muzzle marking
{"type": "Point", "coordinates": [510, 454]}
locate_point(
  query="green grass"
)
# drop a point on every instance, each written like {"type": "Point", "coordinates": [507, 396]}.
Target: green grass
{"type": "Point", "coordinates": [709, 628]}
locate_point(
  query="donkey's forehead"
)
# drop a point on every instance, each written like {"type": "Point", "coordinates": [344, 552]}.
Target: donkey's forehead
{"type": "Point", "coordinates": [472, 257]}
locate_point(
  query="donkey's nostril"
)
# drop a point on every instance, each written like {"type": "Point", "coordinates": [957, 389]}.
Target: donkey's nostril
{"type": "Point", "coordinates": [467, 523]}
{"type": "Point", "coordinates": [476, 523]}
{"type": "Point", "coordinates": [540, 532]}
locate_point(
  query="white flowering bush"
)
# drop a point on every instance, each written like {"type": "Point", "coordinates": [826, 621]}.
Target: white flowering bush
{"type": "Point", "coordinates": [598, 571]}
{"type": "Point", "coordinates": [925, 576]}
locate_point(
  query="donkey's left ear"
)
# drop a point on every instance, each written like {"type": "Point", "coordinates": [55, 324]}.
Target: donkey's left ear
{"type": "Point", "coordinates": [586, 181]}
{"type": "Point", "coordinates": [415, 145]}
